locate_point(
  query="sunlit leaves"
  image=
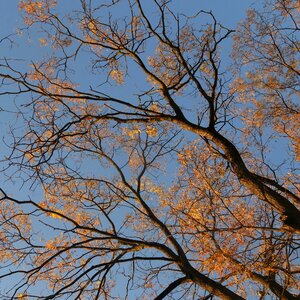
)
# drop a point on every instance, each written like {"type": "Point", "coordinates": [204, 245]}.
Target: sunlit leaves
{"type": "Point", "coordinates": [36, 10]}
{"type": "Point", "coordinates": [268, 50]}
{"type": "Point", "coordinates": [156, 164]}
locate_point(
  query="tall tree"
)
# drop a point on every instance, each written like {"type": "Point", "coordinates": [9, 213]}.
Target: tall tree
{"type": "Point", "coordinates": [159, 181]}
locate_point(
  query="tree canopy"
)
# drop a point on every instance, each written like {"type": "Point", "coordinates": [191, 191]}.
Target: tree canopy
{"type": "Point", "coordinates": [174, 173]}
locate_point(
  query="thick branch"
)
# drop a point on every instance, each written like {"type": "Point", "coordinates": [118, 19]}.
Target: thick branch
{"type": "Point", "coordinates": [290, 215]}
{"type": "Point", "coordinates": [171, 287]}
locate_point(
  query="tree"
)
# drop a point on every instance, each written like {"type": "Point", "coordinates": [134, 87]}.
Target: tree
{"type": "Point", "coordinates": [162, 188]}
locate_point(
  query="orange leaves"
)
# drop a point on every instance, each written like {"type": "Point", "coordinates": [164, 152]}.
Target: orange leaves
{"type": "Point", "coordinates": [131, 132]}
{"type": "Point", "coordinates": [117, 76]}
{"type": "Point", "coordinates": [265, 45]}
{"type": "Point", "coordinates": [51, 245]}
{"type": "Point", "coordinates": [36, 10]}
{"type": "Point", "coordinates": [239, 86]}
{"type": "Point", "coordinates": [43, 42]}
{"type": "Point", "coordinates": [136, 28]}
{"type": "Point", "coordinates": [151, 131]}
{"type": "Point", "coordinates": [165, 65]}
{"type": "Point", "coordinates": [58, 242]}
{"type": "Point", "coordinates": [136, 130]}
{"type": "Point", "coordinates": [92, 26]}
{"type": "Point", "coordinates": [36, 6]}
{"type": "Point", "coordinates": [30, 6]}
{"type": "Point", "coordinates": [69, 200]}
{"type": "Point", "coordinates": [51, 210]}
{"type": "Point", "coordinates": [107, 160]}
{"type": "Point", "coordinates": [209, 204]}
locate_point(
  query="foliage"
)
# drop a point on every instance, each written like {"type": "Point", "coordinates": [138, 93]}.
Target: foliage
{"type": "Point", "coordinates": [159, 181]}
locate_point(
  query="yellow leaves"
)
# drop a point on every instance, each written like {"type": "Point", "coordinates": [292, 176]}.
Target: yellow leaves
{"type": "Point", "coordinates": [165, 65]}
{"type": "Point", "coordinates": [30, 6]}
{"type": "Point", "coordinates": [57, 242]}
{"type": "Point", "coordinates": [92, 26]}
{"type": "Point", "coordinates": [48, 134]}
{"type": "Point", "coordinates": [67, 200]}
{"type": "Point", "coordinates": [189, 42]}
{"type": "Point", "coordinates": [154, 107]}
{"type": "Point", "coordinates": [239, 87]}
{"type": "Point", "coordinates": [251, 14]}
{"type": "Point", "coordinates": [22, 296]}
{"type": "Point", "coordinates": [135, 131]}
{"type": "Point", "coordinates": [287, 8]}
{"type": "Point", "coordinates": [50, 245]}
{"type": "Point", "coordinates": [151, 131]}
{"type": "Point", "coordinates": [206, 69]}
{"type": "Point", "coordinates": [268, 89]}
{"type": "Point", "coordinates": [58, 86]}
{"type": "Point", "coordinates": [43, 42]}
{"type": "Point", "coordinates": [36, 6]}
{"type": "Point", "coordinates": [149, 284]}
{"type": "Point", "coordinates": [55, 215]}
{"type": "Point", "coordinates": [266, 104]}
{"type": "Point", "coordinates": [272, 82]}
{"type": "Point", "coordinates": [135, 22]}
{"type": "Point", "coordinates": [289, 126]}
{"type": "Point", "coordinates": [215, 262]}
{"type": "Point", "coordinates": [202, 209]}
{"type": "Point", "coordinates": [157, 189]}
{"type": "Point", "coordinates": [117, 76]}
{"type": "Point", "coordinates": [36, 10]}
{"type": "Point", "coordinates": [131, 132]}
{"type": "Point", "coordinates": [29, 156]}
{"type": "Point", "coordinates": [93, 41]}
{"type": "Point", "coordinates": [51, 210]}
{"type": "Point", "coordinates": [136, 29]}
{"type": "Point", "coordinates": [83, 217]}
{"type": "Point", "coordinates": [35, 75]}
{"type": "Point", "coordinates": [206, 201]}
